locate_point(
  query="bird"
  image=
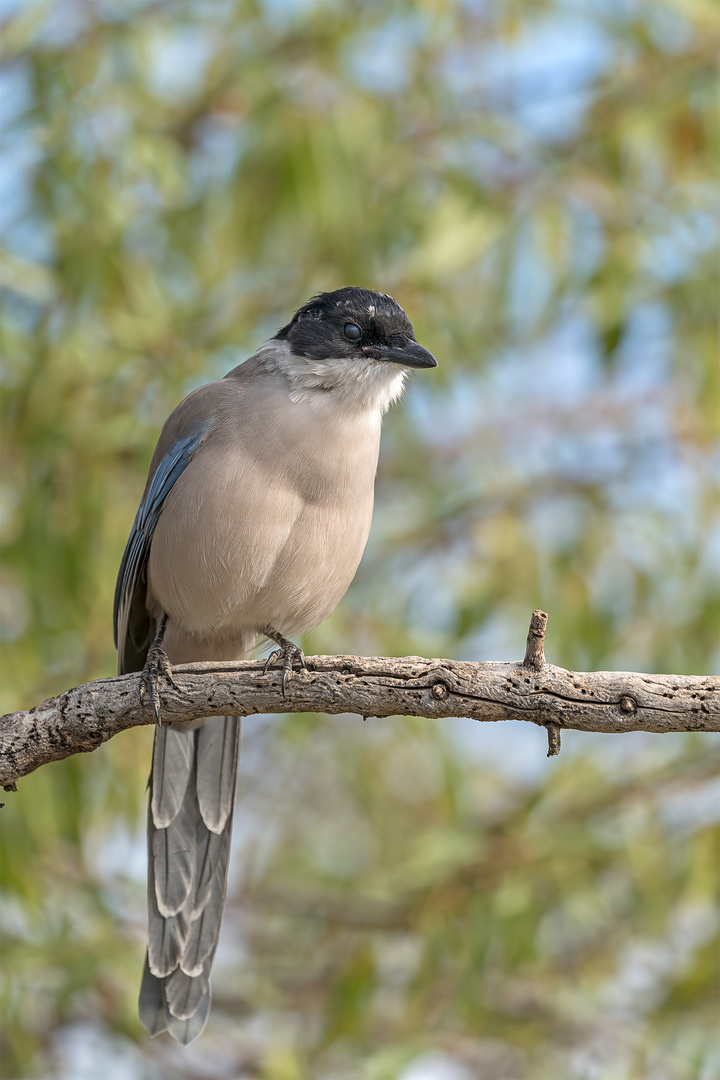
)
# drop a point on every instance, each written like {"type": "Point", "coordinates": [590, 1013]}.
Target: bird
{"type": "Point", "coordinates": [253, 521]}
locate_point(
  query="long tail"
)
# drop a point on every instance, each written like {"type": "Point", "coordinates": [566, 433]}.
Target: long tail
{"type": "Point", "coordinates": [190, 811]}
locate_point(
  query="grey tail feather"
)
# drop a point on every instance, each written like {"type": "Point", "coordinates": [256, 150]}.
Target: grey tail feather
{"type": "Point", "coordinates": [188, 854]}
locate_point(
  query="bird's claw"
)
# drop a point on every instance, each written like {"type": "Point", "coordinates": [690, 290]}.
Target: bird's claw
{"type": "Point", "coordinates": [157, 667]}
{"type": "Point", "coordinates": [288, 653]}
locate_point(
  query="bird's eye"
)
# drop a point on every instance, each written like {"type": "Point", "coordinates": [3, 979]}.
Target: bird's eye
{"type": "Point", "coordinates": [351, 331]}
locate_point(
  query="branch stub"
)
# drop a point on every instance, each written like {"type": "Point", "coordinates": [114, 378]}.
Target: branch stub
{"type": "Point", "coordinates": [534, 650]}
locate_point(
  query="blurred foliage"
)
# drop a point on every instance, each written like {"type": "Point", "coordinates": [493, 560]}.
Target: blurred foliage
{"type": "Point", "coordinates": [535, 183]}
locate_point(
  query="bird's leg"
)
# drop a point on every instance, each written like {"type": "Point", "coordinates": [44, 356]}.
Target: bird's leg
{"type": "Point", "coordinates": [287, 653]}
{"type": "Point", "coordinates": [157, 667]}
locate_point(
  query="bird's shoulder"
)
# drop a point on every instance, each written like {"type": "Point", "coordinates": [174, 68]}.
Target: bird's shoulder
{"type": "Point", "coordinates": [210, 408]}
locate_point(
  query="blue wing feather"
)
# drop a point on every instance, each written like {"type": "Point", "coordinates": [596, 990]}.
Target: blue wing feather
{"type": "Point", "coordinates": [133, 628]}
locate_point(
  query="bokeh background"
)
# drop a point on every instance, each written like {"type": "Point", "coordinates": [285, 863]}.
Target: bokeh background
{"type": "Point", "coordinates": [536, 182]}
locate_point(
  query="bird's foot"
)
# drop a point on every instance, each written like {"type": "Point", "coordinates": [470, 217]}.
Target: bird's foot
{"type": "Point", "coordinates": [287, 654]}
{"type": "Point", "coordinates": [157, 668]}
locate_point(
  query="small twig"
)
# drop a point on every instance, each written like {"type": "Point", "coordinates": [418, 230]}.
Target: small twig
{"type": "Point", "coordinates": [553, 734]}
{"type": "Point", "coordinates": [534, 650]}
{"type": "Point", "coordinates": [535, 661]}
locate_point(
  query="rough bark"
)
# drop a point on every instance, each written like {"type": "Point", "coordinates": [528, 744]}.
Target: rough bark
{"type": "Point", "coordinates": [602, 701]}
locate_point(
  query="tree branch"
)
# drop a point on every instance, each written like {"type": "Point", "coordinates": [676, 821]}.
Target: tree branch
{"type": "Point", "coordinates": [603, 701]}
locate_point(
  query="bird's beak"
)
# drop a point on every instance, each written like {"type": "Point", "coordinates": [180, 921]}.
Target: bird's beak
{"type": "Point", "coordinates": [410, 354]}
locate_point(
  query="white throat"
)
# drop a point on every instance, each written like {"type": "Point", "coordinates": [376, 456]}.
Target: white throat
{"type": "Point", "coordinates": [352, 385]}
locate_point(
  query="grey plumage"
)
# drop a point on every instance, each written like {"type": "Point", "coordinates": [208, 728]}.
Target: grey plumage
{"type": "Point", "coordinates": [253, 521]}
{"type": "Point", "coordinates": [172, 765]}
{"type": "Point", "coordinates": [216, 768]}
{"type": "Point", "coordinates": [189, 848]}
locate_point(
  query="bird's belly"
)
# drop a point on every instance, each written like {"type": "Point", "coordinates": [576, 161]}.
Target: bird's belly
{"type": "Point", "coordinates": [314, 569]}
{"type": "Point", "coordinates": [283, 563]}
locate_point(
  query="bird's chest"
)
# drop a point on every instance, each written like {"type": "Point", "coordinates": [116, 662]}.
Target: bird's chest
{"type": "Point", "coordinates": [265, 531]}
{"type": "Point", "coordinates": [327, 530]}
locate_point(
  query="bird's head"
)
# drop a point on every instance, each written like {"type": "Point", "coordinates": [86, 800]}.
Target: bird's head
{"type": "Point", "coordinates": [354, 343]}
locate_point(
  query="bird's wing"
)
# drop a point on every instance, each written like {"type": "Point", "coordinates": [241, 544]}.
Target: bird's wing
{"type": "Point", "coordinates": [133, 627]}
